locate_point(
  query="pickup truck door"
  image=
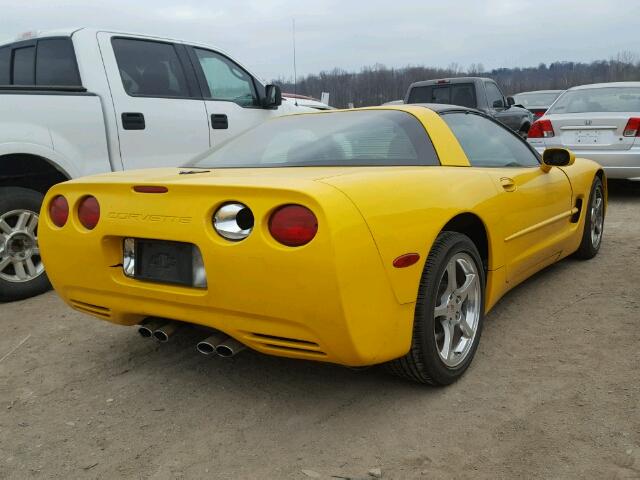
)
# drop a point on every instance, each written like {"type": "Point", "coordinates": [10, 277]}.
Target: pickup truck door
{"type": "Point", "coordinates": [498, 108]}
{"type": "Point", "coordinates": [231, 95]}
{"type": "Point", "coordinates": [161, 117]}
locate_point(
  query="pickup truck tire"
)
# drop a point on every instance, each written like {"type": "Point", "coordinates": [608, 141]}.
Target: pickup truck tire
{"type": "Point", "coordinates": [22, 273]}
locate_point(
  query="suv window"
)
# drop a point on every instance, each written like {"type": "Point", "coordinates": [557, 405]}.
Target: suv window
{"type": "Point", "coordinates": [23, 63]}
{"type": "Point", "coordinates": [463, 94]}
{"type": "Point", "coordinates": [5, 63]}
{"type": "Point", "coordinates": [488, 144]}
{"type": "Point", "coordinates": [226, 80]}
{"type": "Point", "coordinates": [56, 63]}
{"type": "Point", "coordinates": [149, 68]}
{"type": "Point", "coordinates": [494, 95]}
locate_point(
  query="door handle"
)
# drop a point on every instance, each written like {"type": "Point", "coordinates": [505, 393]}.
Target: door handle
{"type": "Point", "coordinates": [219, 121]}
{"type": "Point", "coordinates": [133, 121]}
{"type": "Point", "coordinates": [508, 184]}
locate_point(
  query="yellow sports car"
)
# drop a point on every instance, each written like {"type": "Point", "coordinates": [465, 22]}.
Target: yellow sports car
{"type": "Point", "coordinates": [358, 237]}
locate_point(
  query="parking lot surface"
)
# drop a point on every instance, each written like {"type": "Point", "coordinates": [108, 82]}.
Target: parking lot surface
{"type": "Point", "coordinates": [552, 393]}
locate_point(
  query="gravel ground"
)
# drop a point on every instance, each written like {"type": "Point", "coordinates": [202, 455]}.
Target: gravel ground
{"type": "Point", "coordinates": [553, 393]}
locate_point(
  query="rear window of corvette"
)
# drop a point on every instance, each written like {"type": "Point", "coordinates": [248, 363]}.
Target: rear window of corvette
{"type": "Point", "coordinates": [356, 138]}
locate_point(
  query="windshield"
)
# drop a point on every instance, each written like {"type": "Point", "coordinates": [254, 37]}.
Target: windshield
{"type": "Point", "coordinates": [608, 99]}
{"type": "Point", "coordinates": [350, 138]}
{"type": "Point", "coordinates": [536, 99]}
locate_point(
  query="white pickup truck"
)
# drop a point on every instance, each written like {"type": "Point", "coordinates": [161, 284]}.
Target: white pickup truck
{"type": "Point", "coordinates": [84, 101]}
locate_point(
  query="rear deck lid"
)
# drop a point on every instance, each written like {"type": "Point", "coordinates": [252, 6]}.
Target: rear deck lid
{"type": "Point", "coordinates": [594, 118]}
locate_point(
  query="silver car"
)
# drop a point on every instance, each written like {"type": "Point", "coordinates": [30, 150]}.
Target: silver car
{"type": "Point", "coordinates": [600, 122]}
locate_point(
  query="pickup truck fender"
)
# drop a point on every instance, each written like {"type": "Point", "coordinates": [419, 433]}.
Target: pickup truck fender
{"type": "Point", "coordinates": [58, 161]}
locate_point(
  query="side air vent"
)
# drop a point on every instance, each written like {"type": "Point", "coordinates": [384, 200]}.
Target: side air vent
{"type": "Point", "coordinates": [576, 216]}
{"type": "Point", "coordinates": [97, 310]}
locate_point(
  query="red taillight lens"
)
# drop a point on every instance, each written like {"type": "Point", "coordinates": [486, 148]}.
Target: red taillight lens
{"type": "Point", "coordinates": [633, 128]}
{"type": "Point", "coordinates": [89, 212]}
{"type": "Point", "coordinates": [538, 114]}
{"type": "Point", "coordinates": [59, 211]}
{"type": "Point", "coordinates": [293, 225]}
{"type": "Point", "coordinates": [541, 129]}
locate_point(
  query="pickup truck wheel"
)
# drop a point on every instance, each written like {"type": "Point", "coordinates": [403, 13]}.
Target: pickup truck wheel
{"type": "Point", "coordinates": [449, 313]}
{"type": "Point", "coordinates": [22, 273]}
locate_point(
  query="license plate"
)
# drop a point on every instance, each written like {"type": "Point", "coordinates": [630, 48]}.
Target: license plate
{"type": "Point", "coordinates": [163, 261]}
{"type": "Point", "coordinates": [587, 136]}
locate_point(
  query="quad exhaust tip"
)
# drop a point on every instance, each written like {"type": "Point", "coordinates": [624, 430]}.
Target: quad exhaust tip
{"type": "Point", "coordinates": [209, 344]}
{"type": "Point", "coordinates": [149, 326]}
{"type": "Point", "coordinates": [221, 344]}
{"type": "Point", "coordinates": [165, 332]}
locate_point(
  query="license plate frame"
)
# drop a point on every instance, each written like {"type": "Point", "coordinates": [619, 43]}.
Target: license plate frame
{"type": "Point", "coordinates": [159, 261]}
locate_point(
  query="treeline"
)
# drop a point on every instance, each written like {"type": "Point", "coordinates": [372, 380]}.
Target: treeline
{"type": "Point", "coordinates": [378, 84]}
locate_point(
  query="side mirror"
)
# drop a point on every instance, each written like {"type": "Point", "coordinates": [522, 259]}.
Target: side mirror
{"type": "Point", "coordinates": [272, 97]}
{"type": "Point", "coordinates": [498, 104]}
{"type": "Point", "coordinates": [511, 101]}
{"type": "Point", "coordinates": [557, 157]}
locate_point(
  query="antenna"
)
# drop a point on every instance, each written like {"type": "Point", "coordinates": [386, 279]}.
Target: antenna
{"type": "Point", "coordinates": [295, 71]}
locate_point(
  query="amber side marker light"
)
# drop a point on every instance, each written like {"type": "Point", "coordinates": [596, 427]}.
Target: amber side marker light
{"type": "Point", "coordinates": [150, 189]}
{"type": "Point", "coordinates": [406, 260]}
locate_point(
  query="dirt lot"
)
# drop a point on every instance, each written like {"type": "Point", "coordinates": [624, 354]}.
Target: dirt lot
{"type": "Point", "coordinates": [553, 393]}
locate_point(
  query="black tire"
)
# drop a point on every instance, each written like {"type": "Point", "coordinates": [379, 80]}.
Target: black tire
{"type": "Point", "coordinates": [16, 198]}
{"type": "Point", "coordinates": [587, 249]}
{"type": "Point", "coordinates": [524, 131]}
{"type": "Point", "coordinates": [423, 363]}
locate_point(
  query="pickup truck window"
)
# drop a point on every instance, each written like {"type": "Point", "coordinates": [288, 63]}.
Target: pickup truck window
{"type": "Point", "coordinates": [23, 59]}
{"type": "Point", "coordinates": [226, 80]}
{"type": "Point", "coordinates": [463, 94]}
{"type": "Point", "coordinates": [494, 95]}
{"type": "Point", "coordinates": [488, 144]}
{"type": "Point", "coordinates": [56, 63]}
{"type": "Point", "coordinates": [149, 68]}
{"type": "Point", "coordinates": [5, 63]}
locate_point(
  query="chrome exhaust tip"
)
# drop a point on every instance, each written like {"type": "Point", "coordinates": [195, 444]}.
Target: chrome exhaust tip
{"type": "Point", "coordinates": [229, 348]}
{"type": "Point", "coordinates": [209, 344]}
{"type": "Point", "coordinates": [148, 326]}
{"type": "Point", "coordinates": [165, 332]}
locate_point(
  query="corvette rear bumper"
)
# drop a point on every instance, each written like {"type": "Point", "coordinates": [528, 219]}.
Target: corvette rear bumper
{"type": "Point", "coordinates": [330, 300]}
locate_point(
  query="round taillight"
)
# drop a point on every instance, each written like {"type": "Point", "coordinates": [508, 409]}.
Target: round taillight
{"type": "Point", "coordinates": [59, 210]}
{"type": "Point", "coordinates": [293, 225]}
{"type": "Point", "coordinates": [89, 212]}
{"type": "Point", "coordinates": [233, 221]}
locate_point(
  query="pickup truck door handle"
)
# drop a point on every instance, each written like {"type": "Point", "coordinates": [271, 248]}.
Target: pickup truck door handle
{"type": "Point", "coordinates": [133, 121]}
{"type": "Point", "coordinates": [219, 121]}
{"type": "Point", "coordinates": [508, 184]}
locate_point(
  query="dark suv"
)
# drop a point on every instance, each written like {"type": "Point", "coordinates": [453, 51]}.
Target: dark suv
{"type": "Point", "coordinates": [475, 92]}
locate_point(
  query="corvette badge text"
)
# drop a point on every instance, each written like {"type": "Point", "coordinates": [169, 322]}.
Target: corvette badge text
{"type": "Point", "coordinates": [142, 217]}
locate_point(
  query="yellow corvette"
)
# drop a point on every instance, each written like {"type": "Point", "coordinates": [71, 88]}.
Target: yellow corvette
{"type": "Point", "coordinates": [358, 237]}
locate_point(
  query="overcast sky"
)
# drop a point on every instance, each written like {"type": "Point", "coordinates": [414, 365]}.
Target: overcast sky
{"type": "Point", "coordinates": [353, 33]}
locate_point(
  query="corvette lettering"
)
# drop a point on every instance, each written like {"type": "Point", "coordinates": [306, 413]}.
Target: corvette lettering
{"type": "Point", "coordinates": [142, 217]}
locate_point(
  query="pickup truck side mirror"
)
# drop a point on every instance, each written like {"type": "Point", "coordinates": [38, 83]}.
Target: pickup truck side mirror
{"type": "Point", "coordinates": [511, 101]}
{"type": "Point", "coordinates": [557, 157]}
{"type": "Point", "coordinates": [272, 97]}
{"type": "Point", "coordinates": [498, 104]}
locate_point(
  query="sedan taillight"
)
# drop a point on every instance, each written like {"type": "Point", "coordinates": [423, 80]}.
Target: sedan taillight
{"type": "Point", "coordinates": [541, 129]}
{"type": "Point", "coordinates": [633, 128]}
{"type": "Point", "coordinates": [59, 210]}
{"type": "Point", "coordinates": [89, 212]}
{"type": "Point", "coordinates": [293, 225]}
